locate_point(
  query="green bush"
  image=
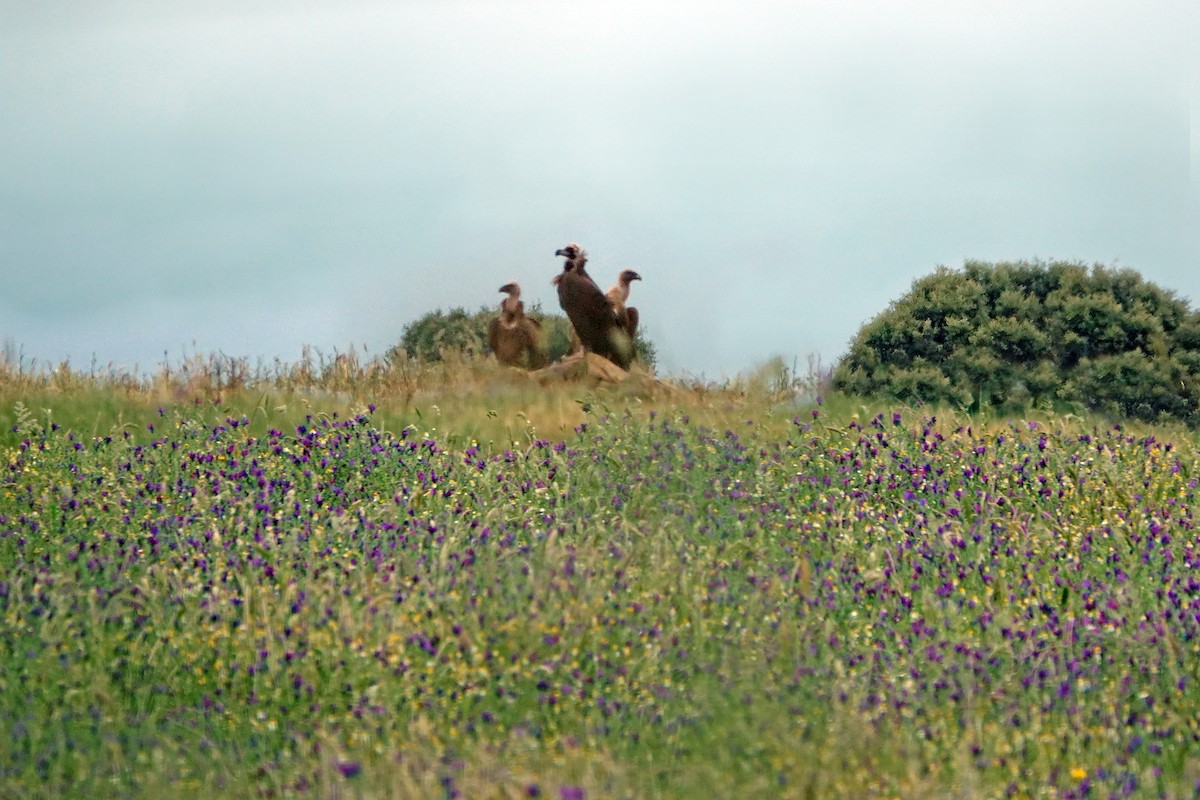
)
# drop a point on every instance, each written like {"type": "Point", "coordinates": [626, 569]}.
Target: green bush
{"type": "Point", "coordinates": [437, 331]}
{"type": "Point", "coordinates": [1013, 334]}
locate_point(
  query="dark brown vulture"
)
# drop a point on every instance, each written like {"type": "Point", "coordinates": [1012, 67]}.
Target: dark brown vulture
{"type": "Point", "coordinates": [589, 310]}
{"type": "Point", "coordinates": [515, 338]}
{"type": "Point", "coordinates": [618, 296]}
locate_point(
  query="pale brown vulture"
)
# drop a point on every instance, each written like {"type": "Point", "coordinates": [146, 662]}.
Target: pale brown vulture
{"type": "Point", "coordinates": [590, 311]}
{"type": "Point", "coordinates": [618, 297]}
{"type": "Point", "coordinates": [515, 338]}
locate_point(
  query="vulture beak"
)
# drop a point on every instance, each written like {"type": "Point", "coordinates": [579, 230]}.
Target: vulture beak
{"type": "Point", "coordinates": [562, 251]}
{"type": "Point", "coordinates": [506, 288]}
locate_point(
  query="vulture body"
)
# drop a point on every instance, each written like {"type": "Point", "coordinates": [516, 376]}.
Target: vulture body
{"type": "Point", "coordinates": [618, 297]}
{"type": "Point", "coordinates": [590, 311]}
{"type": "Point", "coordinates": [514, 337]}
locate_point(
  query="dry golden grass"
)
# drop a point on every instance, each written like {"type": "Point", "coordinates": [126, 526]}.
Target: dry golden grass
{"type": "Point", "coordinates": [462, 397]}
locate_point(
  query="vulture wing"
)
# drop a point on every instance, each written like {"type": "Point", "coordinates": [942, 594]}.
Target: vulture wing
{"type": "Point", "coordinates": [493, 335]}
{"type": "Point", "coordinates": [534, 342]}
{"type": "Point", "coordinates": [592, 316]}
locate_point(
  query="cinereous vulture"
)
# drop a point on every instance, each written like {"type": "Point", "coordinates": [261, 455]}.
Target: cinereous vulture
{"type": "Point", "coordinates": [590, 311]}
{"type": "Point", "coordinates": [618, 297]}
{"type": "Point", "coordinates": [515, 338]}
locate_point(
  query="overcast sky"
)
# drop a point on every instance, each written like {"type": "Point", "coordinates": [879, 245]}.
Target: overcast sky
{"type": "Point", "coordinates": [251, 177]}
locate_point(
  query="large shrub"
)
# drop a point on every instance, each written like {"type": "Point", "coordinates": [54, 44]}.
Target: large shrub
{"type": "Point", "coordinates": [437, 331]}
{"type": "Point", "coordinates": [1014, 333]}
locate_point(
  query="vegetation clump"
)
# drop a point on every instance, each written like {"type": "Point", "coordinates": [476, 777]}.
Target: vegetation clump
{"type": "Point", "coordinates": [1009, 335]}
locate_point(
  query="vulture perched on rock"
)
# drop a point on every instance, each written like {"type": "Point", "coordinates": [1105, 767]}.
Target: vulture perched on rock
{"type": "Point", "coordinates": [618, 296]}
{"type": "Point", "coordinates": [590, 311]}
{"type": "Point", "coordinates": [514, 337]}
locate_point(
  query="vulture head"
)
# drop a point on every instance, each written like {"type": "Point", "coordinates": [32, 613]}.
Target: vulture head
{"type": "Point", "coordinates": [571, 251]}
{"type": "Point", "coordinates": [619, 292]}
{"type": "Point", "coordinates": [576, 258]}
{"type": "Point", "coordinates": [511, 305]}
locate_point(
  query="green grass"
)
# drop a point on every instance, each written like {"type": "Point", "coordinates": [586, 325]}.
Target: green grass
{"type": "Point", "coordinates": [485, 588]}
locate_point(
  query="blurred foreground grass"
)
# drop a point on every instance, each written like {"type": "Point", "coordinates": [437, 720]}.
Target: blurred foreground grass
{"type": "Point", "coordinates": [646, 607]}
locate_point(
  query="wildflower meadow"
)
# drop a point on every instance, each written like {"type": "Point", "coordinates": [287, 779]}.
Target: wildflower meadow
{"type": "Point", "coordinates": [647, 606]}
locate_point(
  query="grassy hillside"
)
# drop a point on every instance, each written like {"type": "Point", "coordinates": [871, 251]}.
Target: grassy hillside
{"type": "Point", "coordinates": [461, 397]}
{"type": "Point", "coordinates": [482, 588]}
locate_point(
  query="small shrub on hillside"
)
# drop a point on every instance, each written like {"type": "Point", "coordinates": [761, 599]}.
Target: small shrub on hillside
{"type": "Point", "coordinates": [430, 335]}
{"type": "Point", "coordinates": [1013, 334]}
